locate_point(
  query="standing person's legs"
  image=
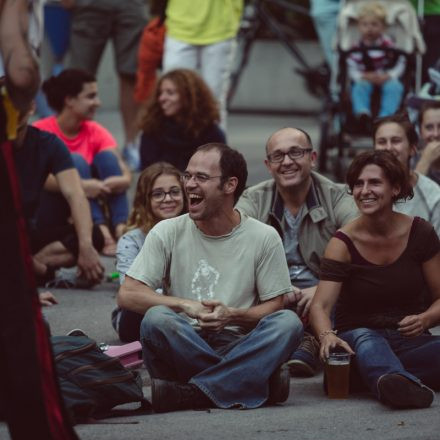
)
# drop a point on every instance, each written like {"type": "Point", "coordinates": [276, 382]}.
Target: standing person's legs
{"type": "Point", "coordinates": [128, 107]}
{"type": "Point", "coordinates": [361, 97]}
{"type": "Point", "coordinates": [325, 18]}
{"type": "Point", "coordinates": [431, 35]}
{"type": "Point", "coordinates": [179, 55]}
{"type": "Point", "coordinates": [106, 165]}
{"type": "Point", "coordinates": [216, 64]}
{"type": "Point", "coordinates": [130, 19]}
{"type": "Point", "coordinates": [392, 91]}
{"type": "Point", "coordinates": [90, 31]}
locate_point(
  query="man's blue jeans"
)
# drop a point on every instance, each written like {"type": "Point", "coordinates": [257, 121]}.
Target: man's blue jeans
{"type": "Point", "coordinates": [384, 351]}
{"type": "Point", "coordinates": [231, 370]}
{"type": "Point", "coordinates": [391, 96]}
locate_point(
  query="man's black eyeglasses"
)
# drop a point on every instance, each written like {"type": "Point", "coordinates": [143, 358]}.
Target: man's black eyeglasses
{"type": "Point", "coordinates": [293, 153]}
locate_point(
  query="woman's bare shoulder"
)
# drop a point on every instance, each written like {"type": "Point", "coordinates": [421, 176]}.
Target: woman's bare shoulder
{"type": "Point", "coordinates": [337, 250]}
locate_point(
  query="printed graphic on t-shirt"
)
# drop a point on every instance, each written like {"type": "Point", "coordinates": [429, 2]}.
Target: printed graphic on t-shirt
{"type": "Point", "coordinates": [204, 281]}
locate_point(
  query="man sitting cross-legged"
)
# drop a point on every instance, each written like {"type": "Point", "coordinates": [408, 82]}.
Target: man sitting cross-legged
{"type": "Point", "coordinates": [218, 334]}
{"type": "Point", "coordinates": [306, 208]}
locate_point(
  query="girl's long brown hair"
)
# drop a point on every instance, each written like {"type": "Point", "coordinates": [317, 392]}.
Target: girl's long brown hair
{"type": "Point", "coordinates": [141, 215]}
{"type": "Point", "coordinates": [199, 108]}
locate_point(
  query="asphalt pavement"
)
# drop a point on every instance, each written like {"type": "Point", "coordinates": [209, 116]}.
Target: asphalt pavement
{"type": "Point", "coordinates": [307, 415]}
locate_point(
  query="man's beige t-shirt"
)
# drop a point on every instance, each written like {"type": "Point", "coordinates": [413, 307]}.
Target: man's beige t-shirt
{"type": "Point", "coordinates": [240, 269]}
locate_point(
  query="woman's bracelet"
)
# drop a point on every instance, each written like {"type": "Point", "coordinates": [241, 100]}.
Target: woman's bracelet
{"type": "Point", "coordinates": [325, 333]}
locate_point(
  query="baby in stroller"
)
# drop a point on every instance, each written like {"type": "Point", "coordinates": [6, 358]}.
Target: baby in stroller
{"type": "Point", "coordinates": [374, 68]}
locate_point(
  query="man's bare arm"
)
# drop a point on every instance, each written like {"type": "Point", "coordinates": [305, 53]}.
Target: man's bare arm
{"type": "Point", "coordinates": [138, 297]}
{"type": "Point", "coordinates": [88, 258]}
{"type": "Point", "coordinates": [21, 67]}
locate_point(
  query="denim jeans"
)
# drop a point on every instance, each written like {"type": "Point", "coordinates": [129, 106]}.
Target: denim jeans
{"type": "Point", "coordinates": [384, 351]}
{"type": "Point", "coordinates": [391, 96]}
{"type": "Point", "coordinates": [105, 164]}
{"type": "Point", "coordinates": [54, 210]}
{"type": "Point", "coordinates": [325, 18]}
{"type": "Point", "coordinates": [231, 370]}
{"type": "Point", "coordinates": [214, 62]}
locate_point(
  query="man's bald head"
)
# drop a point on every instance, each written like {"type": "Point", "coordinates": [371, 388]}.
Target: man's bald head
{"type": "Point", "coordinates": [287, 131]}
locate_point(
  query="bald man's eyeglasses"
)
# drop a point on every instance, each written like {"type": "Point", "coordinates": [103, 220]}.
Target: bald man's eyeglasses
{"type": "Point", "coordinates": [293, 153]}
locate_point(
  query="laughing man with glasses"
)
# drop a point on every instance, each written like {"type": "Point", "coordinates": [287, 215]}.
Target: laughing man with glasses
{"type": "Point", "coordinates": [306, 209]}
{"type": "Point", "coordinates": [218, 336]}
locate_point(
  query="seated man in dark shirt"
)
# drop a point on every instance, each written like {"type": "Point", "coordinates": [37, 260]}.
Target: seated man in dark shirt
{"type": "Point", "coordinates": [38, 155]}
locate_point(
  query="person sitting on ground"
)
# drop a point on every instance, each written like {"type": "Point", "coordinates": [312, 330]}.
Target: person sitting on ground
{"type": "Point", "coordinates": [397, 134]}
{"type": "Point", "coordinates": [428, 162]}
{"type": "Point", "coordinates": [306, 209]}
{"type": "Point", "coordinates": [159, 195]}
{"type": "Point", "coordinates": [372, 68]}
{"type": "Point", "coordinates": [38, 154]}
{"type": "Point", "coordinates": [181, 115]}
{"type": "Point", "coordinates": [217, 336]}
{"type": "Point", "coordinates": [73, 94]}
{"type": "Point", "coordinates": [378, 270]}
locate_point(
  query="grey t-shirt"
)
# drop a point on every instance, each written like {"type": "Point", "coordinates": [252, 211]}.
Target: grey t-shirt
{"type": "Point", "coordinates": [240, 269]}
{"type": "Point", "coordinates": [425, 203]}
{"type": "Point", "coordinates": [128, 247]}
{"type": "Point", "coordinates": [300, 275]}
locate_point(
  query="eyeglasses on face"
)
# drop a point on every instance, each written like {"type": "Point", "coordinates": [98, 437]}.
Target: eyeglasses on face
{"type": "Point", "coordinates": [293, 153]}
{"type": "Point", "coordinates": [198, 177]}
{"type": "Point", "coordinates": [159, 194]}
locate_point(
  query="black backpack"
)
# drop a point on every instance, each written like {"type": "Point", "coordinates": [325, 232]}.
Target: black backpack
{"type": "Point", "coordinates": [92, 383]}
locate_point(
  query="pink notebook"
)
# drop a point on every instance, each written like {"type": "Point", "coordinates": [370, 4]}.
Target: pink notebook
{"type": "Point", "coordinates": [130, 354]}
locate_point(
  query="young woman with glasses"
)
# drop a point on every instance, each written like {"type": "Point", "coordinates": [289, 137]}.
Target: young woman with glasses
{"type": "Point", "coordinates": [159, 195]}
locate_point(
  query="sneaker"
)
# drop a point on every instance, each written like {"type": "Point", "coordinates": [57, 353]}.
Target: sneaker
{"type": "Point", "coordinates": [398, 391]}
{"type": "Point", "coordinates": [305, 359]}
{"type": "Point", "coordinates": [66, 278]}
{"type": "Point", "coordinates": [173, 396]}
{"type": "Point", "coordinates": [131, 156]}
{"type": "Point", "coordinates": [279, 385]}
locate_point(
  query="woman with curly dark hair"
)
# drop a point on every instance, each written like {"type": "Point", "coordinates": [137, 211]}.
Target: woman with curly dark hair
{"type": "Point", "coordinates": [181, 115]}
